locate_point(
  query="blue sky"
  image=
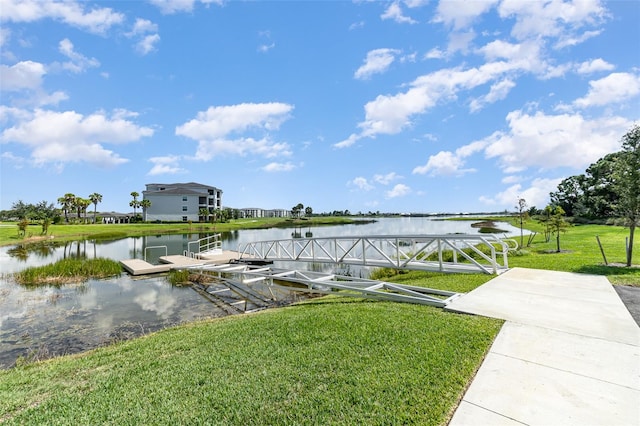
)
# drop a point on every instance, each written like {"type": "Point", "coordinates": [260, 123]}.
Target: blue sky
{"type": "Point", "coordinates": [401, 106]}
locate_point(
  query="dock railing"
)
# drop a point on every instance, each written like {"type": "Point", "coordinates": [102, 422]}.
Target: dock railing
{"type": "Point", "coordinates": [206, 245]}
{"type": "Point", "coordinates": [443, 253]}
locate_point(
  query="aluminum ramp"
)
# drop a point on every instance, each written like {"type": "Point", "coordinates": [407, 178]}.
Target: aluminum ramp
{"type": "Point", "coordinates": [464, 253]}
{"type": "Point", "coordinates": [270, 278]}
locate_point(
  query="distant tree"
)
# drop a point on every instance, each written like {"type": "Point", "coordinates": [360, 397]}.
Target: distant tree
{"type": "Point", "coordinates": [134, 203]}
{"type": "Point", "coordinates": [67, 202]}
{"type": "Point", "coordinates": [522, 216]}
{"type": "Point", "coordinates": [45, 225]}
{"type": "Point", "coordinates": [627, 184]}
{"type": "Point", "coordinates": [95, 199]}
{"type": "Point", "coordinates": [545, 219]}
{"type": "Point", "coordinates": [83, 204]}
{"type": "Point", "coordinates": [296, 211]}
{"type": "Point", "coordinates": [308, 211]}
{"type": "Point", "coordinates": [204, 214]}
{"type": "Point", "coordinates": [145, 204]}
{"type": "Point", "coordinates": [22, 226]}
{"type": "Point", "coordinates": [558, 224]}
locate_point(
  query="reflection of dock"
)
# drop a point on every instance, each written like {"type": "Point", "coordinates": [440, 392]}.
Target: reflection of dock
{"type": "Point", "coordinates": [142, 267]}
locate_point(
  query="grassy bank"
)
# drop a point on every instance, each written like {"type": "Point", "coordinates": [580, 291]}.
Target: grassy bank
{"type": "Point", "coordinates": [63, 232]}
{"type": "Point", "coordinates": [323, 362]}
{"type": "Point", "coordinates": [326, 361]}
{"type": "Point", "coordinates": [67, 271]}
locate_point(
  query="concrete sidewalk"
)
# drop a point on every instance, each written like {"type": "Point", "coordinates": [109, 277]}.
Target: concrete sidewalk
{"type": "Point", "coordinates": [568, 354]}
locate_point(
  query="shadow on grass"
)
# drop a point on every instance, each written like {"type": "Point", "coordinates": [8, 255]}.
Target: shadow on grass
{"type": "Point", "coordinates": [608, 270]}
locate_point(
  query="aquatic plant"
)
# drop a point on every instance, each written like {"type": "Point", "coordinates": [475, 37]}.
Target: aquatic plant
{"type": "Point", "coordinates": [68, 271]}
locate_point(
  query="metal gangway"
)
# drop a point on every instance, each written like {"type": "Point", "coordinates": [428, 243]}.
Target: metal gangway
{"type": "Point", "coordinates": [443, 253]}
{"type": "Point", "coordinates": [208, 245]}
{"type": "Point", "coordinates": [258, 282]}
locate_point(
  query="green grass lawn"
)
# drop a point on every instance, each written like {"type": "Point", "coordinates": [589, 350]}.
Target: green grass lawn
{"type": "Point", "coordinates": [326, 361]}
{"type": "Point", "coordinates": [64, 232]}
{"type": "Point", "coordinates": [329, 361]}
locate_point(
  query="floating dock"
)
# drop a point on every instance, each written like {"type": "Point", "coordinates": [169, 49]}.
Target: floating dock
{"type": "Point", "coordinates": [178, 261]}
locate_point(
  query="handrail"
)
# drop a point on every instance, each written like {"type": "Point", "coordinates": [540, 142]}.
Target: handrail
{"type": "Point", "coordinates": [206, 244]}
{"type": "Point", "coordinates": [446, 253]}
{"type": "Point", "coordinates": [154, 247]}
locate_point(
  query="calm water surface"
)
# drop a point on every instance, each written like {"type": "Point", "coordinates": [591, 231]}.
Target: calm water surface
{"type": "Point", "coordinates": [49, 321]}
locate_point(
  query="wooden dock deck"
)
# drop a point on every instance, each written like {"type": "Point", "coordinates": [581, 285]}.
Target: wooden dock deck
{"type": "Point", "coordinates": [177, 261]}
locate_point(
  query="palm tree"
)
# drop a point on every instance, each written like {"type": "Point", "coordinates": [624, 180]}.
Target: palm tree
{"type": "Point", "coordinates": [204, 214]}
{"type": "Point", "coordinates": [145, 204]}
{"type": "Point", "coordinates": [83, 204]}
{"type": "Point", "coordinates": [95, 199]}
{"type": "Point", "coordinates": [67, 202]}
{"type": "Point", "coordinates": [134, 203]}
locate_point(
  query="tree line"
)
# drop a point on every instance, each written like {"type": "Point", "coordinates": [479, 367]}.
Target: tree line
{"type": "Point", "coordinates": [609, 189]}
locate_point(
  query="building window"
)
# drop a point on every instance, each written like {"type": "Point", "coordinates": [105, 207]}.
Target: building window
{"type": "Point", "coordinates": [184, 218]}
{"type": "Point", "coordinates": [185, 208]}
{"type": "Point", "coordinates": [184, 198]}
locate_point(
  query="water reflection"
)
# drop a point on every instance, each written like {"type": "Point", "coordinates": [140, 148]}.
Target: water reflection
{"type": "Point", "coordinates": [49, 321]}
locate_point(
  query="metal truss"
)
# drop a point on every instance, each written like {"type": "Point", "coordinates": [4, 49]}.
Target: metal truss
{"type": "Point", "coordinates": [443, 253]}
{"type": "Point", "coordinates": [260, 282]}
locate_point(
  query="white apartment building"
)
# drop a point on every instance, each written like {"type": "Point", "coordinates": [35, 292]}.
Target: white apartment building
{"type": "Point", "coordinates": [180, 202]}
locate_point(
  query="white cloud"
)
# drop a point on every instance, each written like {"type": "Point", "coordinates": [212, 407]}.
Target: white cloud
{"type": "Point", "coordinates": [537, 194]}
{"type": "Point", "coordinates": [165, 165]}
{"type": "Point", "coordinates": [614, 88]}
{"type": "Point", "coordinates": [208, 149]}
{"type": "Point", "coordinates": [220, 121]}
{"type": "Point", "coordinates": [63, 137]}
{"type": "Point", "coordinates": [169, 7]}
{"type": "Point", "coordinates": [572, 40]}
{"type": "Point", "coordinates": [390, 114]}
{"type": "Point", "coordinates": [5, 34]}
{"type": "Point", "coordinates": [264, 48]}
{"type": "Point", "coordinates": [213, 127]}
{"type": "Point", "coordinates": [23, 75]}
{"type": "Point", "coordinates": [78, 63]}
{"type": "Point", "coordinates": [446, 163]}
{"type": "Point", "coordinates": [279, 167]}
{"type": "Point", "coordinates": [146, 32]}
{"type": "Point", "coordinates": [594, 65]}
{"type": "Point", "coordinates": [550, 141]}
{"type": "Point", "coordinates": [147, 44]}
{"type": "Point", "coordinates": [361, 183]}
{"type": "Point", "coordinates": [143, 26]}
{"type": "Point", "coordinates": [497, 92]}
{"type": "Point", "coordinates": [353, 138]}
{"type": "Point", "coordinates": [394, 12]}
{"type": "Point", "coordinates": [555, 18]}
{"type": "Point", "coordinates": [459, 14]}
{"type": "Point", "coordinates": [400, 190]}
{"type": "Point", "coordinates": [97, 20]}
{"type": "Point", "coordinates": [386, 179]}
{"type": "Point", "coordinates": [377, 61]}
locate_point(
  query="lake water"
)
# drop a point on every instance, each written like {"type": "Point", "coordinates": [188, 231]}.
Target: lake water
{"type": "Point", "coordinates": [48, 321]}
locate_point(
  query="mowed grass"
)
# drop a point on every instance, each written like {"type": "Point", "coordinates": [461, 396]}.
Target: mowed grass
{"type": "Point", "coordinates": [64, 232]}
{"type": "Point", "coordinates": [327, 361]}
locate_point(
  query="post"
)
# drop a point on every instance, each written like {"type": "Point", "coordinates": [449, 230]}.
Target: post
{"type": "Point", "coordinates": [602, 251]}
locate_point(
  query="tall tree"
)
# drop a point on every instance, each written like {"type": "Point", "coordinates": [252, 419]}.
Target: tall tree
{"type": "Point", "coordinates": [522, 215]}
{"type": "Point", "coordinates": [67, 202]}
{"type": "Point", "coordinates": [83, 204]}
{"type": "Point", "coordinates": [134, 203]}
{"type": "Point", "coordinates": [145, 204]}
{"type": "Point", "coordinates": [558, 224]}
{"type": "Point", "coordinates": [204, 214]}
{"type": "Point", "coordinates": [95, 199]}
{"type": "Point", "coordinates": [627, 184]}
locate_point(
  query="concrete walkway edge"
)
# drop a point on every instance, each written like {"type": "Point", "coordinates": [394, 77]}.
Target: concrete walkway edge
{"type": "Point", "coordinates": [568, 353]}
